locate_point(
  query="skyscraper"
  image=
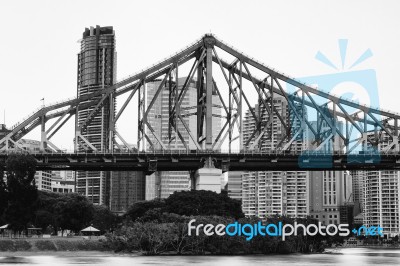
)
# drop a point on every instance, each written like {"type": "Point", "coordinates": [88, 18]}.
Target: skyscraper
{"type": "Point", "coordinates": [330, 193]}
{"type": "Point", "coordinates": [127, 187]}
{"type": "Point", "coordinates": [274, 192]}
{"type": "Point", "coordinates": [164, 183]}
{"type": "Point", "coordinates": [96, 70]}
{"type": "Point", "coordinates": [381, 196]}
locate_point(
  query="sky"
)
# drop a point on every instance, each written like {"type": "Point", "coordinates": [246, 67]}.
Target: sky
{"type": "Point", "coordinates": [40, 41]}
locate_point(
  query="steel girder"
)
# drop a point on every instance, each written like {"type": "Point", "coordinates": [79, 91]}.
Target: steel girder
{"type": "Point", "coordinates": [327, 131]}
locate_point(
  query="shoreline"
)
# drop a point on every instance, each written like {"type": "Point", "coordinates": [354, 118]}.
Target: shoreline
{"type": "Point", "coordinates": [110, 253]}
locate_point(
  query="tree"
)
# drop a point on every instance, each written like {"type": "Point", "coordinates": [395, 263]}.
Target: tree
{"type": "Point", "coordinates": [46, 214]}
{"type": "Point", "coordinates": [3, 194]}
{"type": "Point", "coordinates": [202, 202]}
{"type": "Point", "coordinates": [103, 218]}
{"type": "Point", "coordinates": [74, 212]}
{"type": "Point", "coordinates": [138, 209]}
{"type": "Point", "coordinates": [22, 191]}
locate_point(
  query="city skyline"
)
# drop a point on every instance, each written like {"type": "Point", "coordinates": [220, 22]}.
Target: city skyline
{"type": "Point", "coordinates": [89, 81]}
{"type": "Point", "coordinates": [133, 58]}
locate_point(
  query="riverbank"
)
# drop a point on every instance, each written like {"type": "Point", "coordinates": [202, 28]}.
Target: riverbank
{"type": "Point", "coordinates": [58, 244]}
{"type": "Point", "coordinates": [353, 257]}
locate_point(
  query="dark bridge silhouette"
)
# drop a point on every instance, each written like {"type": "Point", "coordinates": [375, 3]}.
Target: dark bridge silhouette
{"type": "Point", "coordinates": [345, 136]}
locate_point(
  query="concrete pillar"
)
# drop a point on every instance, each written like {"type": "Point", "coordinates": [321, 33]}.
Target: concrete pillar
{"type": "Point", "coordinates": [208, 179]}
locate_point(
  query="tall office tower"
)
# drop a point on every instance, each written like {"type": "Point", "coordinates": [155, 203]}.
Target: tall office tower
{"type": "Point", "coordinates": [274, 192]}
{"type": "Point", "coordinates": [96, 70]}
{"type": "Point", "coordinates": [127, 187]}
{"type": "Point", "coordinates": [164, 183]}
{"type": "Point", "coordinates": [42, 178]}
{"type": "Point", "coordinates": [381, 193]}
{"type": "Point", "coordinates": [330, 196]}
{"type": "Point", "coordinates": [358, 186]}
{"type": "Point", "coordinates": [235, 185]}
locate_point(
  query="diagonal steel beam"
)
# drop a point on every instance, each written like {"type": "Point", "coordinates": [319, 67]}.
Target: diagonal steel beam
{"type": "Point", "coordinates": [127, 101]}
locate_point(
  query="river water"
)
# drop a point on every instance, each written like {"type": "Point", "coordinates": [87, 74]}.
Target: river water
{"type": "Point", "coordinates": [349, 256]}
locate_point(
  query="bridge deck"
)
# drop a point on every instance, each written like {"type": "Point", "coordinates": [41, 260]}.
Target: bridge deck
{"type": "Point", "coordinates": [187, 161]}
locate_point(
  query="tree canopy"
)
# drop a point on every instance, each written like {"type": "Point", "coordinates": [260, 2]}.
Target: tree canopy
{"type": "Point", "coordinates": [188, 203]}
{"type": "Point", "coordinates": [20, 191]}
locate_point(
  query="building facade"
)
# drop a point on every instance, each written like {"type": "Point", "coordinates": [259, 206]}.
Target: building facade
{"type": "Point", "coordinates": [96, 70]}
{"type": "Point", "coordinates": [164, 183]}
{"type": "Point", "coordinates": [274, 192]}
{"type": "Point", "coordinates": [127, 187]}
{"type": "Point", "coordinates": [234, 185]}
{"type": "Point", "coordinates": [381, 197]}
{"type": "Point", "coordinates": [63, 181]}
{"type": "Point", "coordinates": [330, 196]}
{"type": "Point", "coordinates": [331, 192]}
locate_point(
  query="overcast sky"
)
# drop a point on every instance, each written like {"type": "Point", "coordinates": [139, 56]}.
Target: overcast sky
{"type": "Point", "coordinates": [39, 40]}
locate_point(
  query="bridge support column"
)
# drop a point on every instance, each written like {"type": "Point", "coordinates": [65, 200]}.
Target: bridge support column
{"type": "Point", "coordinates": [207, 178]}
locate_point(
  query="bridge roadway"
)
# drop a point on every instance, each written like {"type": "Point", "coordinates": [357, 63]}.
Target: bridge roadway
{"type": "Point", "coordinates": [193, 160]}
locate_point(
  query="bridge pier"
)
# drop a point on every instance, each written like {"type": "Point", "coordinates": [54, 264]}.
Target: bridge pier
{"type": "Point", "coordinates": [207, 178]}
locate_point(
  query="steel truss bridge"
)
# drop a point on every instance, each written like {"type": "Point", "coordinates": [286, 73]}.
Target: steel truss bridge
{"type": "Point", "coordinates": [344, 135]}
{"type": "Point", "coordinates": [192, 160]}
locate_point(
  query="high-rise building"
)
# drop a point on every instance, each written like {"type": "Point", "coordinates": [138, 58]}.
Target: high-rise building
{"type": "Point", "coordinates": [164, 183]}
{"type": "Point", "coordinates": [234, 185]}
{"type": "Point", "coordinates": [381, 201]}
{"type": "Point", "coordinates": [377, 195]}
{"type": "Point", "coordinates": [42, 178]}
{"type": "Point", "coordinates": [96, 70]}
{"type": "Point", "coordinates": [381, 196]}
{"type": "Point", "coordinates": [274, 192]}
{"type": "Point", "coordinates": [127, 187]}
{"type": "Point", "coordinates": [330, 192]}
{"type": "Point", "coordinates": [63, 181]}
{"type": "Point", "coordinates": [358, 178]}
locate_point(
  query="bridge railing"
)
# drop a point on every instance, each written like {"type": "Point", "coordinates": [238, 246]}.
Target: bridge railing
{"type": "Point", "coordinates": [197, 152]}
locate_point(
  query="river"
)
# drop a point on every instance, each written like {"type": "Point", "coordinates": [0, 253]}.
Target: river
{"type": "Point", "coordinates": [348, 256]}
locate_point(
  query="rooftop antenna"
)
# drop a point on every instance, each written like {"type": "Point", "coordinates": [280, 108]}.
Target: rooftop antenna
{"type": "Point", "coordinates": [4, 116]}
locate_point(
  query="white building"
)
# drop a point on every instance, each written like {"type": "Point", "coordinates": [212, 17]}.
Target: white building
{"type": "Point", "coordinates": [381, 198]}
{"type": "Point", "coordinates": [274, 192]}
{"type": "Point", "coordinates": [63, 181]}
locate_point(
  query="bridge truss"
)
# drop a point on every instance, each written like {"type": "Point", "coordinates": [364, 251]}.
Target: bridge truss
{"type": "Point", "coordinates": [244, 84]}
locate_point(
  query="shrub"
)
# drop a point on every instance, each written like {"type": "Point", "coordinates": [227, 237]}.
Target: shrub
{"type": "Point", "coordinates": [22, 245]}
{"type": "Point", "coordinates": [65, 245]}
{"type": "Point", "coordinates": [6, 245]}
{"type": "Point", "coordinates": [45, 245]}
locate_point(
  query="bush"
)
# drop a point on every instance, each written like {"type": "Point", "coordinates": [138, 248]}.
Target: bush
{"type": "Point", "coordinates": [45, 245]}
{"type": "Point", "coordinates": [6, 245]}
{"type": "Point", "coordinates": [22, 245]}
{"type": "Point", "coordinates": [90, 245]}
{"type": "Point", "coordinates": [65, 245]}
